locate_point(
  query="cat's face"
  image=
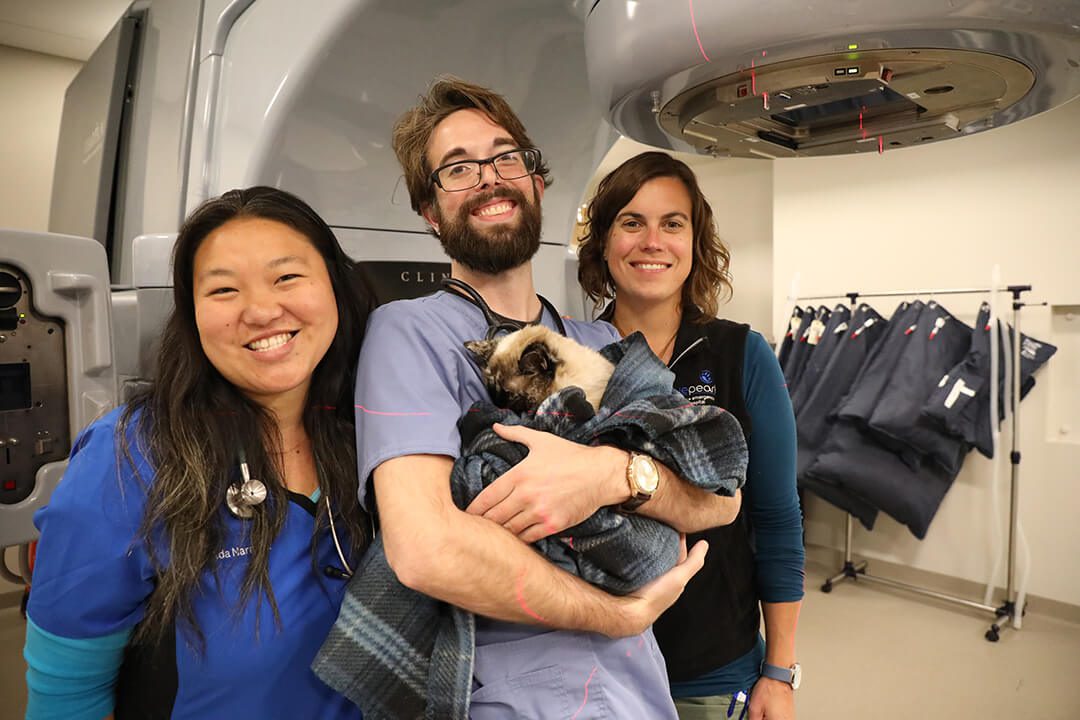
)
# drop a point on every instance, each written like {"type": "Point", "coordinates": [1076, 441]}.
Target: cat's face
{"type": "Point", "coordinates": [518, 369]}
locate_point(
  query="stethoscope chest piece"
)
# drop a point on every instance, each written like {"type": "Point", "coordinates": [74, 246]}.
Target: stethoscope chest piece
{"type": "Point", "coordinates": [241, 498]}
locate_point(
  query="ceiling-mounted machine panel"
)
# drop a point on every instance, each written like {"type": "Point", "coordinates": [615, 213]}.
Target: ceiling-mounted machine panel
{"type": "Point", "coordinates": [791, 79]}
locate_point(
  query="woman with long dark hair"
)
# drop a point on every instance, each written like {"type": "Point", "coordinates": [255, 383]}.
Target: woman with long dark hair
{"type": "Point", "coordinates": [192, 560]}
{"type": "Point", "coordinates": [652, 249]}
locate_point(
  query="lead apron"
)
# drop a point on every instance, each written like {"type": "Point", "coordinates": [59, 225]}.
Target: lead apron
{"type": "Point", "coordinates": [800, 349]}
{"type": "Point", "coordinates": [836, 329]}
{"type": "Point", "coordinates": [815, 420]}
{"type": "Point", "coordinates": [961, 403]}
{"type": "Point", "coordinates": [936, 345]}
{"type": "Point", "coordinates": [866, 461]}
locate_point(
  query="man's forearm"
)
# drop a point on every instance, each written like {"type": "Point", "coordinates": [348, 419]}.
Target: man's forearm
{"type": "Point", "coordinates": [476, 564]}
{"type": "Point", "coordinates": [508, 580]}
{"type": "Point", "coordinates": [688, 508]}
{"type": "Point", "coordinates": [677, 503]}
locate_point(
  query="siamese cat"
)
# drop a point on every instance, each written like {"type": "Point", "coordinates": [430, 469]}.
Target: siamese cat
{"type": "Point", "coordinates": [526, 366]}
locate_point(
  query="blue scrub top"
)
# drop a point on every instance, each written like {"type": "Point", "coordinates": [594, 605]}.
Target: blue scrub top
{"type": "Point", "coordinates": [93, 577]}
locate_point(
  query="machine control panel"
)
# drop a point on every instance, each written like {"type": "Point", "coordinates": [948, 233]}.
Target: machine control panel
{"type": "Point", "coordinates": [33, 388]}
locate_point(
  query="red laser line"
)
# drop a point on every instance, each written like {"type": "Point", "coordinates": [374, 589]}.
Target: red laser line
{"type": "Point", "coordinates": [392, 414]}
{"type": "Point", "coordinates": [549, 526]}
{"type": "Point", "coordinates": [586, 700]}
{"type": "Point", "coordinates": [880, 144]}
{"type": "Point", "coordinates": [524, 605]}
{"type": "Point", "coordinates": [697, 37]}
{"type": "Point", "coordinates": [644, 416]}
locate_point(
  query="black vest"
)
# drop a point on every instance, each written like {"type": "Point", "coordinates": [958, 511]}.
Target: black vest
{"type": "Point", "coordinates": [717, 618]}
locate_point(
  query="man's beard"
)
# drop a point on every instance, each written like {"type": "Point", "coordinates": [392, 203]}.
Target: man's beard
{"type": "Point", "coordinates": [497, 248]}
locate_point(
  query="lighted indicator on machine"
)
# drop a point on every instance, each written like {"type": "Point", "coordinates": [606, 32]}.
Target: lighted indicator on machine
{"type": "Point", "coordinates": [853, 71]}
{"type": "Point", "coordinates": [853, 46]}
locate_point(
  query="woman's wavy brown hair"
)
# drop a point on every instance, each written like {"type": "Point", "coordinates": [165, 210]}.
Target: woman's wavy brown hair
{"type": "Point", "coordinates": [191, 423]}
{"type": "Point", "coordinates": [709, 278]}
{"type": "Point", "coordinates": [413, 130]}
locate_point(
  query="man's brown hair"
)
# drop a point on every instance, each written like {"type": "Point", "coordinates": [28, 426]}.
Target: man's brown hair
{"type": "Point", "coordinates": [709, 277]}
{"type": "Point", "coordinates": [413, 130]}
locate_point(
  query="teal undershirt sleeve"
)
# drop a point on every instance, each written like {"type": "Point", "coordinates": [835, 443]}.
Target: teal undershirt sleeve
{"type": "Point", "coordinates": [71, 678]}
{"type": "Point", "coordinates": [771, 492]}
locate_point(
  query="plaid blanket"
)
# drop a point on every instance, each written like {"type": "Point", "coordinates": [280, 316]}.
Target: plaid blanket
{"type": "Point", "coordinates": [401, 655]}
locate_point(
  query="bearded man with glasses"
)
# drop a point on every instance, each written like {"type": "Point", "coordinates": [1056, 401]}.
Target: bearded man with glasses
{"type": "Point", "coordinates": [547, 643]}
{"type": "Point", "coordinates": [498, 246]}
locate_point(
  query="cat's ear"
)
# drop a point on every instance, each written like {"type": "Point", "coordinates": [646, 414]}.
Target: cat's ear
{"type": "Point", "coordinates": [537, 359]}
{"type": "Point", "coordinates": [480, 350]}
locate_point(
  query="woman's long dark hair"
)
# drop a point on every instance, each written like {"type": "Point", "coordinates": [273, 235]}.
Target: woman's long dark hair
{"type": "Point", "coordinates": [191, 423]}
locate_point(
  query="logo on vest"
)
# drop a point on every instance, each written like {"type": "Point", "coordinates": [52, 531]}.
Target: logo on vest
{"type": "Point", "coordinates": [703, 394]}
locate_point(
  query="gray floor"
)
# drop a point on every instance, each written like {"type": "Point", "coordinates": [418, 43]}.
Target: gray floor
{"type": "Point", "coordinates": [866, 653]}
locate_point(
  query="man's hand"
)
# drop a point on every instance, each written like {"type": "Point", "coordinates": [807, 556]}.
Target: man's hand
{"type": "Point", "coordinates": [648, 602]}
{"type": "Point", "coordinates": [771, 700]}
{"type": "Point", "coordinates": [558, 485]}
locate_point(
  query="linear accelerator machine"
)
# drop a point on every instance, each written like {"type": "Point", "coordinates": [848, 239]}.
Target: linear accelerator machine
{"type": "Point", "coordinates": [184, 100]}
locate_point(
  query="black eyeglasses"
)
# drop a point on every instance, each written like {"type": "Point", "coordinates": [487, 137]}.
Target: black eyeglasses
{"type": "Point", "coordinates": [465, 174]}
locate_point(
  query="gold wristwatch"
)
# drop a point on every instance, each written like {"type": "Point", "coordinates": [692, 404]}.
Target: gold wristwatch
{"type": "Point", "coordinates": [643, 477]}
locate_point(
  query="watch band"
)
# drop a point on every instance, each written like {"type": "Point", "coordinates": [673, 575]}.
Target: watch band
{"type": "Point", "coordinates": [789, 675]}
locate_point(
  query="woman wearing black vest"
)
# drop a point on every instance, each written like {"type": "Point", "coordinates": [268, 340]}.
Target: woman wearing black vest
{"type": "Point", "coordinates": [653, 250]}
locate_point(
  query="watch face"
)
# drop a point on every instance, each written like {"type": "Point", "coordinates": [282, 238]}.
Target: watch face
{"type": "Point", "coordinates": [646, 476]}
{"type": "Point", "coordinates": [796, 676]}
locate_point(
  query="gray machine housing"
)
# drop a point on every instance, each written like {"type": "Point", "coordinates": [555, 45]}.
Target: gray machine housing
{"type": "Point", "coordinates": [63, 313]}
{"type": "Point", "coordinates": [187, 99]}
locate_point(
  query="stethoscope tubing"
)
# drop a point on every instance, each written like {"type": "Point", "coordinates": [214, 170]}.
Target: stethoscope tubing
{"type": "Point", "coordinates": [496, 324]}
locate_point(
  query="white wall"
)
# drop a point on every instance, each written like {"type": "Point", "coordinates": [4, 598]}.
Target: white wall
{"type": "Point", "coordinates": [940, 216]}
{"type": "Point", "coordinates": [32, 89]}
{"type": "Point", "coordinates": [741, 195]}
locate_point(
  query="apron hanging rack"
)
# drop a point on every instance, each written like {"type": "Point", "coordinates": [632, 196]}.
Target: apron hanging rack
{"type": "Point", "coordinates": [1007, 612]}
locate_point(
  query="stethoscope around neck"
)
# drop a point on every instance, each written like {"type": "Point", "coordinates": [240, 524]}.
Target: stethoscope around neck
{"type": "Point", "coordinates": [497, 323]}
{"type": "Point", "coordinates": [242, 497]}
